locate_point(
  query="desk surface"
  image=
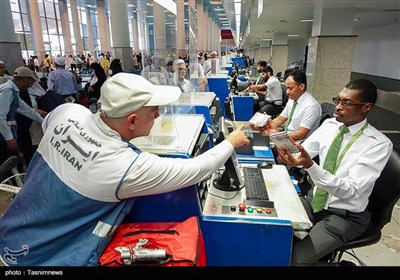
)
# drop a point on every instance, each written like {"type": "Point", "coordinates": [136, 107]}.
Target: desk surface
{"type": "Point", "coordinates": [281, 191]}
{"type": "Point", "coordinates": [196, 99]}
{"type": "Point", "coordinates": [173, 135]}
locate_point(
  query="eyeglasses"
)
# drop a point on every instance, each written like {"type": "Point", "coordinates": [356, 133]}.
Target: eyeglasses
{"type": "Point", "coordinates": [346, 104]}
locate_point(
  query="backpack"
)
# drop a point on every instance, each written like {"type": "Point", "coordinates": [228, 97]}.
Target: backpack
{"type": "Point", "coordinates": [50, 101]}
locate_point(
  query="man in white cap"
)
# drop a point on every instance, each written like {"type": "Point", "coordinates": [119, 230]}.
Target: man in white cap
{"type": "Point", "coordinates": [179, 79]}
{"type": "Point", "coordinates": [62, 81]}
{"type": "Point", "coordinates": [3, 73]}
{"type": "Point", "coordinates": [86, 172]}
{"type": "Point", "coordinates": [10, 104]}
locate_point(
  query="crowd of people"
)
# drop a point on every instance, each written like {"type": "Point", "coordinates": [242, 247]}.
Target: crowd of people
{"type": "Point", "coordinates": [129, 106]}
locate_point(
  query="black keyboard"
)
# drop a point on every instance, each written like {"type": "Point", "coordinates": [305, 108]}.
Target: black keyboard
{"type": "Point", "coordinates": [256, 192]}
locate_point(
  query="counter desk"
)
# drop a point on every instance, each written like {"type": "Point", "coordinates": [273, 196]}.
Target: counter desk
{"type": "Point", "coordinates": [231, 238]}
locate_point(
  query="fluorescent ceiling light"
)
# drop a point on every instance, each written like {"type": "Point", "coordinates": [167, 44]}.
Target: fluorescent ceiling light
{"type": "Point", "coordinates": [216, 2]}
{"type": "Point", "coordinates": [293, 35]}
{"type": "Point", "coordinates": [218, 9]}
{"type": "Point", "coordinates": [306, 20]}
{"type": "Point", "coordinates": [131, 6]}
{"type": "Point", "coordinates": [221, 15]}
{"type": "Point", "coordinates": [267, 39]}
{"type": "Point", "coordinates": [357, 19]}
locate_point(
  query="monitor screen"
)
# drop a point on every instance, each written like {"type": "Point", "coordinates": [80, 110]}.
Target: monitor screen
{"type": "Point", "coordinates": [230, 179]}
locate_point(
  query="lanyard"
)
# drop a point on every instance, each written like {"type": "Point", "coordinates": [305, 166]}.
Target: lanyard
{"type": "Point", "coordinates": [352, 140]}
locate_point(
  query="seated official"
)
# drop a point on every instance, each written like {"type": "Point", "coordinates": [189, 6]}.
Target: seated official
{"type": "Point", "coordinates": [353, 154]}
{"type": "Point", "coordinates": [270, 93]}
{"type": "Point", "coordinates": [260, 79]}
{"type": "Point", "coordinates": [302, 113]}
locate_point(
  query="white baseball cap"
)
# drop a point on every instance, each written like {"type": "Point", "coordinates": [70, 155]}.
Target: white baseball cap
{"type": "Point", "coordinates": [60, 61]}
{"type": "Point", "coordinates": [125, 93]}
{"type": "Point", "coordinates": [2, 62]}
{"type": "Point", "coordinates": [24, 71]}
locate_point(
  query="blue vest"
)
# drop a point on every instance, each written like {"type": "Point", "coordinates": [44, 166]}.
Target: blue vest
{"type": "Point", "coordinates": [50, 224]}
{"type": "Point", "coordinates": [55, 220]}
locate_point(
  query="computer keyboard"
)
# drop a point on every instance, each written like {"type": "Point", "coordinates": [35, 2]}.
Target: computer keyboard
{"type": "Point", "coordinates": [256, 192]}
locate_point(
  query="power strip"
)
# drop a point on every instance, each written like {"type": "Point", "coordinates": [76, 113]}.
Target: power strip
{"type": "Point", "coordinates": [9, 188]}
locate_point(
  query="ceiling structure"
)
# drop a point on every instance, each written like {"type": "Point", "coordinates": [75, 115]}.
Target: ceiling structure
{"type": "Point", "coordinates": [282, 16]}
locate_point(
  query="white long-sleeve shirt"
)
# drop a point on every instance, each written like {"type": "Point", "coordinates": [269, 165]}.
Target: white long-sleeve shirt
{"type": "Point", "coordinates": [102, 154]}
{"type": "Point", "coordinates": [362, 164]}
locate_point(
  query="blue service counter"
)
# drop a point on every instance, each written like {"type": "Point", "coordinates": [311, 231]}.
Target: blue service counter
{"type": "Point", "coordinates": [232, 237]}
{"type": "Point", "coordinates": [218, 84]}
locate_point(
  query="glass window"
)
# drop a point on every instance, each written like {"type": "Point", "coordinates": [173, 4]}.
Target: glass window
{"type": "Point", "coordinates": [21, 38]}
{"type": "Point", "coordinates": [52, 26]}
{"type": "Point", "coordinates": [41, 9]}
{"type": "Point", "coordinates": [85, 30]}
{"type": "Point", "coordinates": [44, 26]}
{"type": "Point", "coordinates": [25, 21]}
{"type": "Point", "coordinates": [57, 11]}
{"type": "Point", "coordinates": [54, 43]}
{"type": "Point", "coordinates": [49, 6]}
{"type": "Point", "coordinates": [60, 31]}
{"type": "Point", "coordinates": [14, 6]}
{"type": "Point", "coordinates": [24, 8]}
{"type": "Point", "coordinates": [29, 42]}
{"type": "Point", "coordinates": [17, 22]}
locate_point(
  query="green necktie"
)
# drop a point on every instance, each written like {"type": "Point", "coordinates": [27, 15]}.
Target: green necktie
{"type": "Point", "coordinates": [291, 114]}
{"type": "Point", "coordinates": [321, 195]}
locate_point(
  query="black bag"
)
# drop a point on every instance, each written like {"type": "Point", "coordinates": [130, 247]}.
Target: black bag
{"type": "Point", "coordinates": [49, 101]}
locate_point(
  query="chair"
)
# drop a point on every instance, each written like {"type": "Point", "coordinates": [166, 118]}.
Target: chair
{"type": "Point", "coordinates": [327, 111]}
{"type": "Point", "coordinates": [382, 200]}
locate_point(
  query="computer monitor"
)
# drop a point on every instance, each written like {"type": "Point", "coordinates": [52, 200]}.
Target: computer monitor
{"type": "Point", "coordinates": [230, 179]}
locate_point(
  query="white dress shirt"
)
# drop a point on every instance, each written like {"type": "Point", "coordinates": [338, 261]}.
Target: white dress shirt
{"type": "Point", "coordinates": [361, 165]}
{"type": "Point", "coordinates": [307, 113]}
{"type": "Point", "coordinates": [274, 90]}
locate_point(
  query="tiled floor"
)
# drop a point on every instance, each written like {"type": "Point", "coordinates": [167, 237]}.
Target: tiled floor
{"type": "Point", "coordinates": [387, 251]}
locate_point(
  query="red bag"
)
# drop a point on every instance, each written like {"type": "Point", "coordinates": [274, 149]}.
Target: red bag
{"type": "Point", "coordinates": [159, 243]}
